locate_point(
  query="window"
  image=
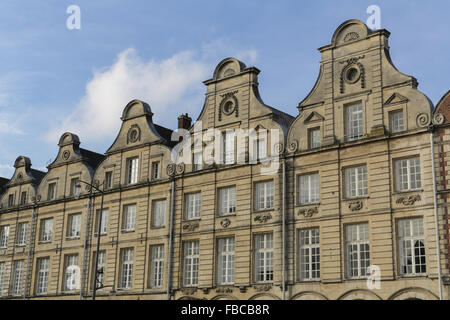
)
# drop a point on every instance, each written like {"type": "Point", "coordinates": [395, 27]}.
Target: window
{"type": "Point", "coordinates": [101, 269]}
{"type": "Point", "coordinates": [22, 229]}
{"type": "Point", "coordinates": [2, 276]}
{"type": "Point", "coordinates": [129, 217]}
{"type": "Point", "coordinates": [309, 254]}
{"type": "Point", "coordinates": [71, 273]}
{"type": "Point", "coordinates": [411, 245]}
{"type": "Point", "coordinates": [126, 274]}
{"type": "Point", "coordinates": [46, 229]}
{"type": "Point", "coordinates": [355, 182]}
{"type": "Point", "coordinates": [10, 200]}
{"type": "Point", "coordinates": [198, 161]}
{"type": "Point", "coordinates": [155, 170]}
{"type": "Point", "coordinates": [354, 124]}
{"type": "Point", "coordinates": [193, 203]}
{"type": "Point", "coordinates": [260, 145]}
{"type": "Point", "coordinates": [225, 263]}
{"type": "Point", "coordinates": [227, 201]}
{"type": "Point", "coordinates": [108, 179]}
{"type": "Point", "coordinates": [75, 186]}
{"type": "Point", "coordinates": [132, 170]}
{"type": "Point", "coordinates": [264, 195]}
{"type": "Point", "coordinates": [23, 198]}
{"type": "Point", "coordinates": [314, 138]}
{"type": "Point", "coordinates": [357, 243]}
{"type": "Point", "coordinates": [4, 235]}
{"type": "Point", "coordinates": [190, 263]}
{"type": "Point", "coordinates": [43, 267]}
{"type": "Point", "coordinates": [74, 226]}
{"type": "Point", "coordinates": [309, 188]}
{"type": "Point", "coordinates": [159, 213]}
{"type": "Point", "coordinates": [104, 222]}
{"type": "Point", "coordinates": [156, 266]}
{"type": "Point", "coordinates": [17, 279]}
{"type": "Point", "coordinates": [397, 124]}
{"type": "Point", "coordinates": [51, 194]}
{"type": "Point", "coordinates": [407, 174]}
{"type": "Point", "coordinates": [264, 257]}
{"type": "Point", "coordinates": [228, 147]}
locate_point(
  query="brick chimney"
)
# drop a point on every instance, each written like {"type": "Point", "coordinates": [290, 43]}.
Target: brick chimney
{"type": "Point", "coordinates": [184, 121]}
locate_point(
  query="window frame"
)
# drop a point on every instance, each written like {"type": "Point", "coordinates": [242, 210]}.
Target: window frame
{"type": "Point", "coordinates": [391, 120]}
{"type": "Point", "coordinates": [397, 180]}
{"type": "Point", "coordinates": [72, 218]}
{"type": "Point", "coordinates": [155, 213]}
{"type": "Point", "coordinates": [268, 199]}
{"type": "Point", "coordinates": [311, 143]}
{"type": "Point", "coordinates": [229, 255]}
{"type": "Point", "coordinates": [42, 230]}
{"type": "Point", "coordinates": [21, 234]}
{"type": "Point", "coordinates": [310, 199]}
{"type": "Point", "coordinates": [126, 220]}
{"type": "Point", "coordinates": [229, 206]}
{"type": "Point", "coordinates": [156, 276]}
{"type": "Point", "coordinates": [194, 215]}
{"type": "Point", "coordinates": [268, 258]}
{"type": "Point", "coordinates": [132, 170]}
{"type": "Point", "coordinates": [310, 248]}
{"type": "Point", "coordinates": [411, 238]}
{"type": "Point", "coordinates": [40, 283]}
{"type": "Point", "coordinates": [127, 282]}
{"type": "Point", "coordinates": [350, 133]}
{"type": "Point", "coordinates": [194, 259]}
{"type": "Point", "coordinates": [347, 183]}
{"type": "Point", "coordinates": [358, 242]}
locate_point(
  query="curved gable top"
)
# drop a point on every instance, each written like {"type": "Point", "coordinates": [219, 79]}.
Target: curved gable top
{"type": "Point", "coordinates": [228, 67]}
{"type": "Point", "coordinates": [136, 108]}
{"type": "Point", "coordinates": [442, 110]}
{"type": "Point", "coordinates": [23, 173]}
{"type": "Point", "coordinates": [349, 31]}
{"type": "Point", "coordinates": [68, 139]}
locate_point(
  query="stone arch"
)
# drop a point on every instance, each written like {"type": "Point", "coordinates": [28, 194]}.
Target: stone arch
{"type": "Point", "coordinates": [264, 296]}
{"type": "Point", "coordinates": [413, 293]}
{"type": "Point", "coordinates": [359, 294]}
{"type": "Point", "coordinates": [349, 31]}
{"type": "Point", "coordinates": [136, 108]}
{"type": "Point", "coordinates": [228, 67]}
{"type": "Point", "coordinates": [224, 297]}
{"type": "Point", "coordinates": [308, 295]}
{"type": "Point", "coordinates": [68, 138]}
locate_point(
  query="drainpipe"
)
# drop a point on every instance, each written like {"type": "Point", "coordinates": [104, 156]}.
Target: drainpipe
{"type": "Point", "coordinates": [436, 215]}
{"type": "Point", "coordinates": [169, 252]}
{"type": "Point", "coordinates": [283, 230]}
{"type": "Point", "coordinates": [30, 251]}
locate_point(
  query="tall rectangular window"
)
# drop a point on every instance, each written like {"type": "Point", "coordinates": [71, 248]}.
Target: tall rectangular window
{"type": "Point", "coordinates": [43, 267]}
{"type": "Point", "coordinates": [2, 276]}
{"type": "Point", "coordinates": [193, 203]}
{"type": "Point", "coordinates": [264, 257]}
{"type": "Point", "coordinates": [17, 279]}
{"type": "Point", "coordinates": [260, 145]}
{"type": "Point", "coordinates": [309, 254]}
{"type": "Point", "coordinates": [357, 244]}
{"type": "Point", "coordinates": [225, 261]}
{"type": "Point", "coordinates": [411, 245]}
{"type": "Point", "coordinates": [156, 266]}
{"type": "Point", "coordinates": [4, 236]}
{"type": "Point", "coordinates": [407, 174]}
{"type": "Point", "coordinates": [74, 225]}
{"type": "Point", "coordinates": [314, 138]}
{"type": "Point", "coordinates": [264, 195]}
{"type": "Point", "coordinates": [155, 170]}
{"type": "Point", "coordinates": [129, 217]}
{"type": "Point", "coordinates": [23, 198]}
{"type": "Point", "coordinates": [101, 269]}
{"type": "Point", "coordinates": [51, 194]}
{"type": "Point", "coordinates": [132, 170]}
{"type": "Point", "coordinates": [71, 272]}
{"type": "Point", "coordinates": [191, 256]}
{"type": "Point", "coordinates": [75, 186]}
{"type": "Point", "coordinates": [108, 179]}
{"type": "Point", "coordinates": [355, 182]}
{"type": "Point", "coordinates": [354, 122]}
{"type": "Point", "coordinates": [198, 161]}
{"type": "Point", "coordinates": [126, 272]}
{"type": "Point", "coordinates": [46, 229]}
{"type": "Point", "coordinates": [397, 124]}
{"type": "Point", "coordinates": [228, 147]}
{"type": "Point", "coordinates": [309, 188]}
{"type": "Point", "coordinates": [104, 222]}
{"type": "Point", "coordinates": [227, 200]}
{"type": "Point", "coordinates": [159, 213]}
{"type": "Point", "coordinates": [22, 230]}
{"type": "Point", "coordinates": [10, 200]}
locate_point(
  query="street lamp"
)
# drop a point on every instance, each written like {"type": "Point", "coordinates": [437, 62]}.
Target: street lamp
{"type": "Point", "coordinates": [77, 195]}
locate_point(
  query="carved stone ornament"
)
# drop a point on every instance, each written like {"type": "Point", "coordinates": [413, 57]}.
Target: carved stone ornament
{"type": "Point", "coordinates": [422, 120]}
{"type": "Point", "coordinates": [225, 223]}
{"type": "Point", "coordinates": [278, 148]}
{"type": "Point", "coordinates": [308, 212]}
{"type": "Point", "coordinates": [180, 168]}
{"type": "Point", "coordinates": [20, 176]}
{"type": "Point", "coordinates": [224, 289]}
{"type": "Point", "coordinates": [189, 291]}
{"type": "Point", "coordinates": [134, 133]}
{"type": "Point", "coordinates": [438, 118]}
{"type": "Point", "coordinates": [228, 105]}
{"type": "Point", "coordinates": [170, 169]}
{"type": "Point", "coordinates": [262, 287]}
{"type": "Point", "coordinates": [351, 36]}
{"type": "Point", "coordinates": [190, 226]}
{"type": "Point", "coordinates": [263, 217]}
{"type": "Point", "coordinates": [355, 205]}
{"type": "Point", "coordinates": [66, 155]}
{"type": "Point", "coordinates": [352, 72]}
{"type": "Point", "coordinates": [293, 145]}
{"type": "Point", "coordinates": [408, 200]}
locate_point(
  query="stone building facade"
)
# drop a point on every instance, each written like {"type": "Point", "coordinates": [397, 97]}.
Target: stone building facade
{"type": "Point", "coordinates": [247, 203]}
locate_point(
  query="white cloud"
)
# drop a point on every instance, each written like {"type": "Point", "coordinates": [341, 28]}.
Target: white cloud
{"type": "Point", "coordinates": [6, 170]}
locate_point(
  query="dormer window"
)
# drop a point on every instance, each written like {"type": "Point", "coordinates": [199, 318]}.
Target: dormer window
{"type": "Point", "coordinates": [132, 170]}
{"type": "Point", "coordinates": [228, 147]}
{"type": "Point", "coordinates": [314, 138]}
{"type": "Point", "coordinates": [155, 170]}
{"type": "Point", "coordinates": [23, 198]}
{"type": "Point", "coordinates": [354, 122]}
{"type": "Point", "coordinates": [108, 180]}
{"type": "Point", "coordinates": [51, 195]}
{"type": "Point", "coordinates": [397, 124]}
{"type": "Point", "coordinates": [10, 200]}
{"type": "Point", "coordinates": [75, 186]}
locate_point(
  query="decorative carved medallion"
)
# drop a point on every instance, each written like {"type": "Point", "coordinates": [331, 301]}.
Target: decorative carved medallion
{"type": "Point", "coordinates": [180, 168]}
{"type": "Point", "coordinates": [355, 205]}
{"type": "Point", "coordinates": [190, 226]}
{"type": "Point", "coordinates": [308, 212]}
{"type": "Point", "coordinates": [352, 72]}
{"type": "Point", "coordinates": [134, 133]}
{"type": "Point", "coordinates": [189, 291]}
{"type": "Point", "coordinates": [408, 200]}
{"type": "Point", "coordinates": [228, 105]}
{"type": "Point", "coordinates": [422, 120]}
{"type": "Point", "coordinates": [36, 199]}
{"type": "Point", "coordinates": [224, 290]}
{"type": "Point", "coordinates": [438, 118]}
{"type": "Point", "coordinates": [20, 176]}
{"type": "Point", "coordinates": [293, 145]}
{"type": "Point", "coordinates": [66, 155]}
{"type": "Point", "coordinates": [278, 148]}
{"type": "Point", "coordinates": [351, 36]}
{"type": "Point", "coordinates": [225, 223]}
{"type": "Point", "coordinates": [262, 287]}
{"type": "Point", "coordinates": [263, 217]}
{"type": "Point", "coordinates": [170, 169]}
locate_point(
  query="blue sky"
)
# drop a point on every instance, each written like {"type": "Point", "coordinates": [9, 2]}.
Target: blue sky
{"type": "Point", "coordinates": [53, 79]}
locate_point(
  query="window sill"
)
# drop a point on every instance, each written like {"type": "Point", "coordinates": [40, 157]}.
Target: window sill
{"type": "Point", "coordinates": [355, 198]}
{"type": "Point", "coordinates": [263, 210]}
{"type": "Point", "coordinates": [44, 241]}
{"type": "Point", "coordinates": [408, 276]}
{"type": "Point", "coordinates": [20, 245]}
{"type": "Point", "coordinates": [308, 281]}
{"type": "Point", "coordinates": [307, 204]}
{"type": "Point", "coordinates": [408, 191]}
{"type": "Point", "coordinates": [72, 238]}
{"type": "Point", "coordinates": [101, 234]}
{"type": "Point", "coordinates": [226, 215]}
{"type": "Point", "coordinates": [192, 219]}
{"type": "Point", "coordinates": [127, 231]}
{"type": "Point", "coordinates": [157, 227]}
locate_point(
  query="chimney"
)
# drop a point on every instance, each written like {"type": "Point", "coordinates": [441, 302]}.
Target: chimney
{"type": "Point", "coordinates": [184, 121]}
